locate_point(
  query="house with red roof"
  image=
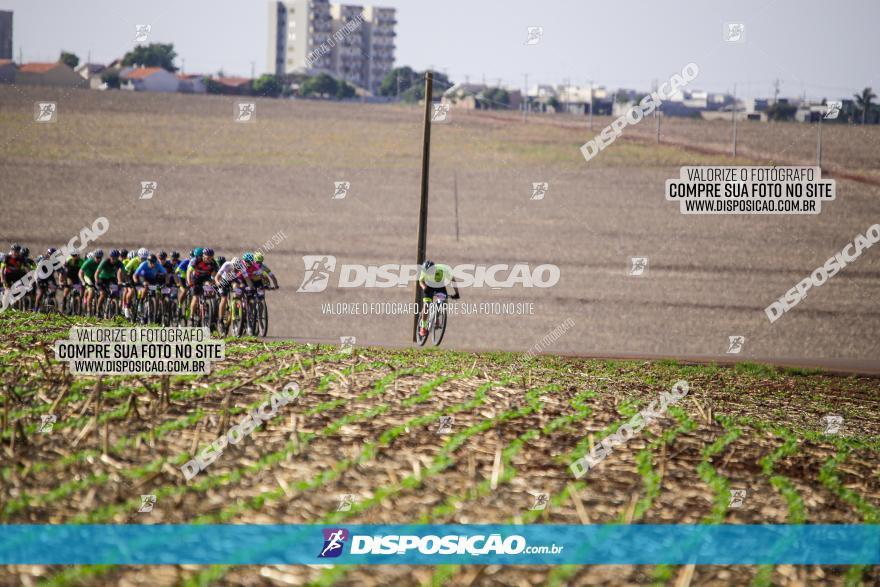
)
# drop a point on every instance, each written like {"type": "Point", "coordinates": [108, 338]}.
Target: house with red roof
{"type": "Point", "coordinates": [239, 86]}
{"type": "Point", "coordinates": [49, 74]}
{"type": "Point", "coordinates": [191, 83]}
{"type": "Point", "coordinates": [148, 79]}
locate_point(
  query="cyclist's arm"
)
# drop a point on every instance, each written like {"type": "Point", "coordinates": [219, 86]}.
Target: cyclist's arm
{"type": "Point", "coordinates": [189, 272]}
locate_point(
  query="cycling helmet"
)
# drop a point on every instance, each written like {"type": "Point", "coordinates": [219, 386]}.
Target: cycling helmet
{"type": "Point", "coordinates": [192, 252]}
{"type": "Point", "coordinates": [39, 259]}
{"type": "Point", "coordinates": [114, 253]}
{"type": "Point", "coordinates": [221, 260]}
{"type": "Point", "coordinates": [74, 253]}
{"type": "Point", "coordinates": [163, 255]}
{"type": "Point", "coordinates": [258, 257]}
{"type": "Point", "coordinates": [175, 255]}
{"type": "Point", "coordinates": [209, 252]}
{"type": "Point", "coordinates": [123, 253]}
{"type": "Point", "coordinates": [99, 254]}
{"type": "Point", "coordinates": [143, 253]}
{"type": "Point", "coordinates": [50, 251]}
{"type": "Point", "coordinates": [198, 252]}
{"type": "Point", "coordinates": [132, 254]}
{"type": "Point", "coordinates": [153, 259]}
{"type": "Point", "coordinates": [427, 265]}
{"type": "Point", "coordinates": [25, 252]}
{"type": "Point", "coordinates": [16, 247]}
{"type": "Point", "coordinates": [236, 262]}
{"type": "Point", "coordinates": [248, 257]}
{"type": "Point", "coordinates": [91, 255]}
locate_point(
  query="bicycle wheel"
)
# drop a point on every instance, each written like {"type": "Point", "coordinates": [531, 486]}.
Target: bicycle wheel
{"type": "Point", "coordinates": [263, 324]}
{"type": "Point", "coordinates": [440, 324]}
{"type": "Point", "coordinates": [423, 339]}
{"type": "Point", "coordinates": [251, 317]}
{"type": "Point", "coordinates": [238, 319]}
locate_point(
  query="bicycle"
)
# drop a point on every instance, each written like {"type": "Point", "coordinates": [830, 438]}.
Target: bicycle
{"type": "Point", "coordinates": [48, 301]}
{"type": "Point", "coordinates": [257, 311]}
{"type": "Point", "coordinates": [149, 306]}
{"type": "Point", "coordinates": [436, 321]}
{"type": "Point", "coordinates": [170, 313]}
{"type": "Point", "coordinates": [72, 304]}
{"type": "Point", "coordinates": [112, 305]}
{"type": "Point", "coordinates": [206, 309]}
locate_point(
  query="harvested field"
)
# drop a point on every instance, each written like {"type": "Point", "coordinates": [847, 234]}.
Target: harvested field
{"type": "Point", "coordinates": [233, 186]}
{"type": "Point", "coordinates": [366, 424]}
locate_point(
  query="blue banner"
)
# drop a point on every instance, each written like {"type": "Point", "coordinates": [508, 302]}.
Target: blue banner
{"type": "Point", "coordinates": [138, 544]}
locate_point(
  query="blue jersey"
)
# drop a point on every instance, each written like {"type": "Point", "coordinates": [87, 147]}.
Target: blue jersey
{"type": "Point", "coordinates": [182, 267]}
{"type": "Point", "coordinates": [149, 273]}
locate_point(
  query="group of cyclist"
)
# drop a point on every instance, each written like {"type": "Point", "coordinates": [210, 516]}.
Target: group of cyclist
{"type": "Point", "coordinates": [133, 271]}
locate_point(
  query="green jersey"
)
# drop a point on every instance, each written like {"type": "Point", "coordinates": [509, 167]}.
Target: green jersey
{"type": "Point", "coordinates": [107, 269]}
{"type": "Point", "coordinates": [88, 268]}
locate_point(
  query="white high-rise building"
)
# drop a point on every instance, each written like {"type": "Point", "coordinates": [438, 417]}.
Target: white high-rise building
{"type": "Point", "coordinates": [350, 42]}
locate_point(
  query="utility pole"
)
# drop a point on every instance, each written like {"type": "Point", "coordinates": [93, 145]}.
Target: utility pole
{"type": "Point", "coordinates": [455, 188]}
{"type": "Point", "coordinates": [819, 145]}
{"type": "Point", "coordinates": [591, 104]}
{"type": "Point", "coordinates": [526, 99]}
{"type": "Point", "coordinates": [657, 114]}
{"type": "Point", "coordinates": [423, 206]}
{"type": "Point", "coordinates": [776, 91]}
{"type": "Point", "coordinates": [252, 70]}
{"type": "Point", "coordinates": [734, 121]}
{"type": "Point", "coordinates": [397, 76]}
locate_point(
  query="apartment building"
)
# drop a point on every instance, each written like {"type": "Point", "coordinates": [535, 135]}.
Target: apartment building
{"type": "Point", "coordinates": [350, 42]}
{"type": "Point", "coordinates": [5, 34]}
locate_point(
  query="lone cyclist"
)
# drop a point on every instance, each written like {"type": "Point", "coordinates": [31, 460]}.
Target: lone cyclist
{"type": "Point", "coordinates": [433, 280]}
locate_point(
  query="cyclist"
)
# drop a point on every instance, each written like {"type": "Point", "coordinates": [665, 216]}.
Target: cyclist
{"type": "Point", "coordinates": [150, 272]}
{"type": "Point", "coordinates": [108, 273]}
{"type": "Point", "coordinates": [227, 276]}
{"type": "Point", "coordinates": [44, 284]}
{"type": "Point", "coordinates": [167, 265]}
{"type": "Point", "coordinates": [432, 281]}
{"type": "Point", "coordinates": [180, 277]}
{"type": "Point", "coordinates": [70, 272]}
{"type": "Point", "coordinates": [135, 259]}
{"type": "Point", "coordinates": [12, 268]}
{"type": "Point", "coordinates": [266, 275]}
{"type": "Point", "coordinates": [87, 275]}
{"type": "Point", "coordinates": [201, 269]}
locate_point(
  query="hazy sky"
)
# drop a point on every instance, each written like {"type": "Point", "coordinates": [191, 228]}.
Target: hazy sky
{"type": "Point", "coordinates": [826, 49]}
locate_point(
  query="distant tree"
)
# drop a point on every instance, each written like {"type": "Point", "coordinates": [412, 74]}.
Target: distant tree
{"type": "Point", "coordinates": [405, 75]}
{"type": "Point", "coordinates": [69, 59]}
{"type": "Point", "coordinates": [344, 91]}
{"type": "Point", "coordinates": [152, 55]}
{"type": "Point", "coordinates": [268, 85]}
{"type": "Point", "coordinates": [111, 78]}
{"type": "Point", "coordinates": [321, 84]}
{"type": "Point", "coordinates": [863, 102]}
{"type": "Point", "coordinates": [494, 98]}
{"type": "Point", "coordinates": [781, 111]}
{"type": "Point", "coordinates": [554, 103]}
